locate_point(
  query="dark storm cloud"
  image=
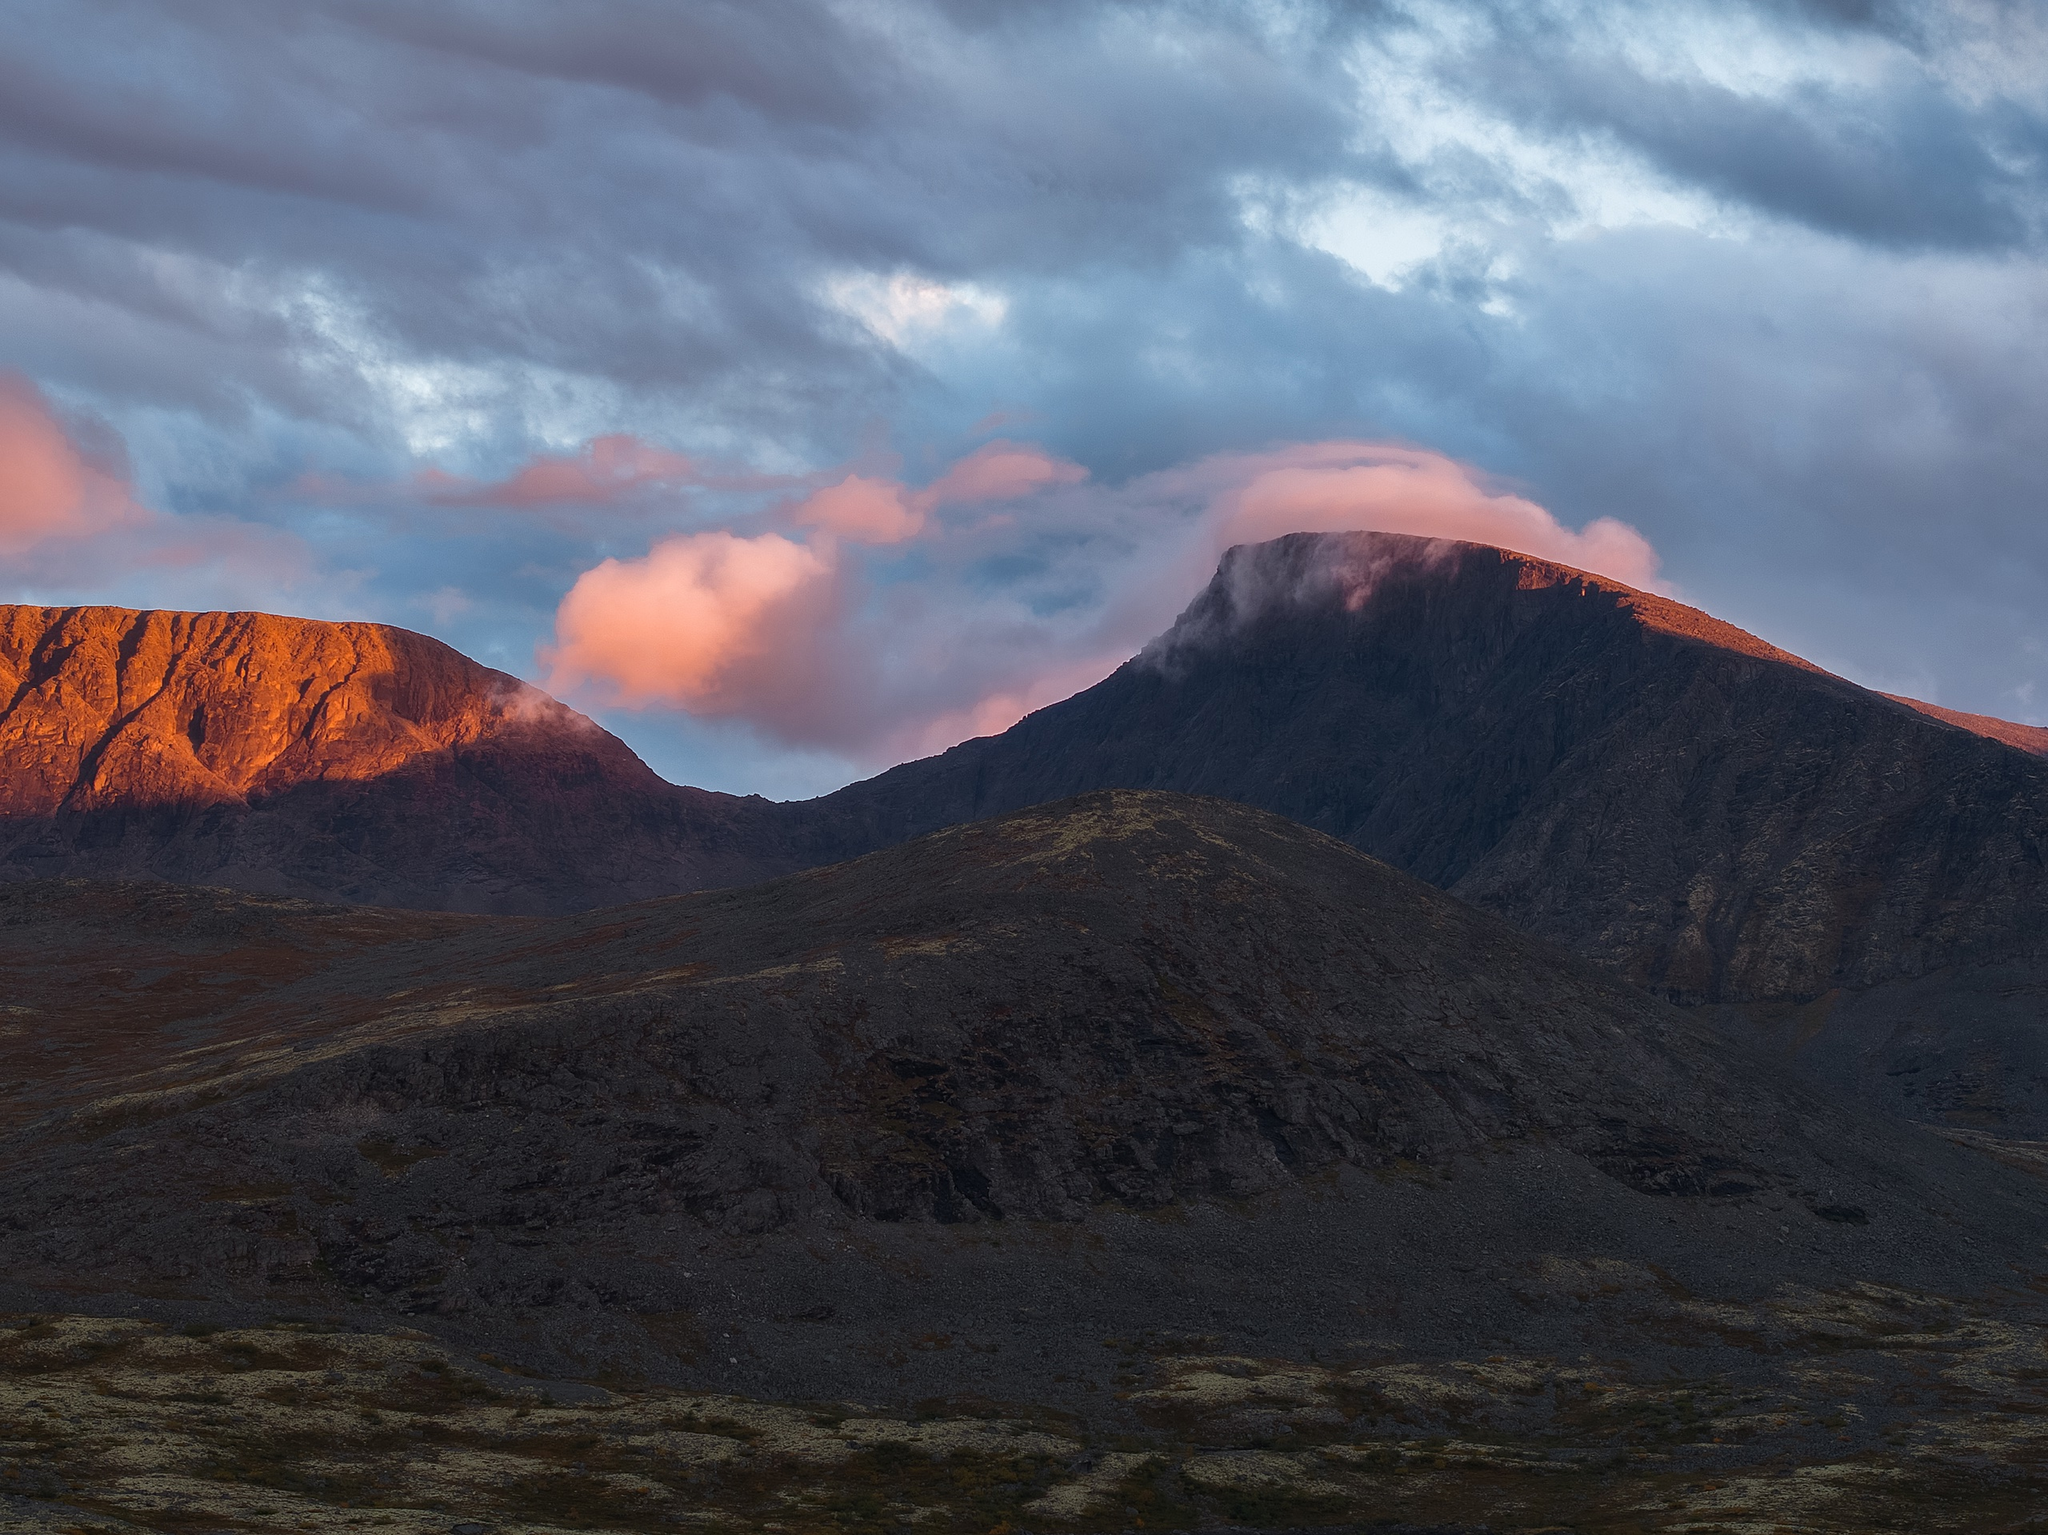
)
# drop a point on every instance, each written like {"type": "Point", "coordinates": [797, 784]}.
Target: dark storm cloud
{"type": "Point", "coordinates": [1761, 279]}
{"type": "Point", "coordinates": [1873, 14]}
{"type": "Point", "coordinates": [1898, 162]}
{"type": "Point", "coordinates": [645, 193]}
{"type": "Point", "coordinates": [790, 60]}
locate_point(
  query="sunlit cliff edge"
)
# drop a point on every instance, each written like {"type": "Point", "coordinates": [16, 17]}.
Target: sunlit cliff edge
{"type": "Point", "coordinates": [347, 761]}
{"type": "Point", "coordinates": [114, 707]}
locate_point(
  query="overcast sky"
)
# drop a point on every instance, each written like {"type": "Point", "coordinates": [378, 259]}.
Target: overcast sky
{"type": "Point", "coordinates": [799, 386]}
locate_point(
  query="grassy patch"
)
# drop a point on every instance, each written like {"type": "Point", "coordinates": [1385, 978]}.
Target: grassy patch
{"type": "Point", "coordinates": [392, 1160]}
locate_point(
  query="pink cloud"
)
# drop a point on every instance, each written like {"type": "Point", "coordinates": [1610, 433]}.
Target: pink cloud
{"type": "Point", "coordinates": [996, 420]}
{"type": "Point", "coordinates": [606, 469]}
{"type": "Point", "coordinates": [70, 522]}
{"type": "Point", "coordinates": [712, 623]}
{"type": "Point", "coordinates": [726, 625]}
{"type": "Point", "coordinates": [785, 635]}
{"type": "Point", "coordinates": [48, 488]}
{"type": "Point", "coordinates": [1002, 471]}
{"type": "Point", "coordinates": [866, 511]}
{"type": "Point", "coordinates": [1331, 487]}
{"type": "Point", "coordinates": [881, 511]}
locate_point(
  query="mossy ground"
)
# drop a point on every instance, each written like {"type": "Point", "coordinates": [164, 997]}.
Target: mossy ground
{"type": "Point", "coordinates": [1870, 1410]}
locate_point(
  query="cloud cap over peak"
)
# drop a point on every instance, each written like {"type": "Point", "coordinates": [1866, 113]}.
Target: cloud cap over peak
{"type": "Point", "coordinates": [1337, 487]}
{"type": "Point", "coordinates": [825, 643]}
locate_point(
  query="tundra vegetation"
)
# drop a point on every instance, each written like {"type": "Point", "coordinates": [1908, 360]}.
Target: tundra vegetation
{"type": "Point", "coordinates": [1866, 1408]}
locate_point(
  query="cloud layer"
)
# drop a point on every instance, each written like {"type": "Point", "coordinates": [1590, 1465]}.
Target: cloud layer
{"type": "Point", "coordinates": [429, 313]}
{"type": "Point", "coordinates": [824, 643]}
{"type": "Point", "coordinates": [70, 523]}
{"type": "Point", "coordinates": [1342, 486]}
{"type": "Point", "coordinates": [48, 489]}
{"type": "Point", "coordinates": [710, 623]}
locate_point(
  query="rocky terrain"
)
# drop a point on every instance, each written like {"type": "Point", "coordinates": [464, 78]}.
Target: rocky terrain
{"type": "Point", "coordinates": [120, 1425]}
{"type": "Point", "coordinates": [1704, 814]}
{"type": "Point", "coordinates": [353, 762]}
{"type": "Point", "coordinates": [1133, 1157]}
{"type": "Point", "coordinates": [2032, 739]}
{"type": "Point", "coordinates": [1321, 1151]}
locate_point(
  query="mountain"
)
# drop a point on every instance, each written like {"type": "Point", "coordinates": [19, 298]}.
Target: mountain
{"type": "Point", "coordinates": [1130, 1064]}
{"type": "Point", "coordinates": [348, 761]}
{"type": "Point", "coordinates": [1707, 815]}
{"type": "Point", "coordinates": [1704, 813]}
{"type": "Point", "coordinates": [1132, 1158]}
{"type": "Point", "coordinates": [2032, 739]}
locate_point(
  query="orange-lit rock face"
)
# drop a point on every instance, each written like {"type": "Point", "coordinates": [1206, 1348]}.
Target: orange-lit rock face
{"type": "Point", "coordinates": [111, 706]}
{"type": "Point", "coordinates": [351, 762]}
{"type": "Point", "coordinates": [2032, 739]}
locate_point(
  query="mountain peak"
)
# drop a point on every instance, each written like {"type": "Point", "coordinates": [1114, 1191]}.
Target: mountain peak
{"type": "Point", "coordinates": [1307, 570]}
{"type": "Point", "coordinates": [113, 706]}
{"type": "Point", "coordinates": [1695, 807]}
{"type": "Point", "coordinates": [346, 760]}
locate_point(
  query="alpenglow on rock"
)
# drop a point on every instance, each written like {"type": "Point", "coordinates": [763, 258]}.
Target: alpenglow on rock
{"type": "Point", "coordinates": [350, 761]}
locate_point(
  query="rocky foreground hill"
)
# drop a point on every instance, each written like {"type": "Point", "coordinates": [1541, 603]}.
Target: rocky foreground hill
{"type": "Point", "coordinates": [1705, 814]}
{"type": "Point", "coordinates": [1120, 1003]}
{"type": "Point", "coordinates": [1177, 1159]}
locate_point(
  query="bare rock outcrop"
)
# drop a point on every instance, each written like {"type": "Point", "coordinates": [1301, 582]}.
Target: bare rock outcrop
{"type": "Point", "coordinates": [108, 707]}
{"type": "Point", "coordinates": [349, 761]}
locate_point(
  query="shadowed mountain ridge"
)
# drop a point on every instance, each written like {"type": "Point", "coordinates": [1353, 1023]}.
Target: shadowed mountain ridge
{"type": "Point", "coordinates": [1709, 815]}
{"type": "Point", "coordinates": [1701, 811]}
{"type": "Point", "coordinates": [2032, 739]}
